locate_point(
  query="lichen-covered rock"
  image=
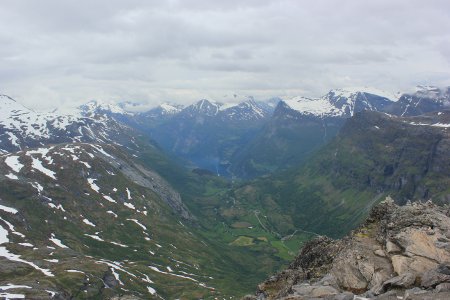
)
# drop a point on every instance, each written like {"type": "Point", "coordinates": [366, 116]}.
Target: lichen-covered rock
{"type": "Point", "coordinates": [399, 252]}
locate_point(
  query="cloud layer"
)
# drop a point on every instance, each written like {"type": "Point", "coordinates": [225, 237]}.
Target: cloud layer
{"type": "Point", "coordinates": [63, 53]}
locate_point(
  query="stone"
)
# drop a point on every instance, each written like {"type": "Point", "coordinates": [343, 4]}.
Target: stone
{"type": "Point", "coordinates": [436, 276]}
{"type": "Point", "coordinates": [328, 280]}
{"type": "Point", "coordinates": [400, 263]}
{"type": "Point", "coordinates": [348, 276]}
{"type": "Point", "coordinates": [444, 269]}
{"type": "Point", "coordinates": [391, 247]}
{"type": "Point", "coordinates": [405, 280]}
{"type": "Point", "coordinates": [377, 282]}
{"type": "Point", "coordinates": [413, 291]}
{"type": "Point", "coordinates": [302, 289]}
{"type": "Point", "coordinates": [380, 253]}
{"type": "Point", "coordinates": [415, 264]}
{"type": "Point", "coordinates": [342, 296]}
{"type": "Point", "coordinates": [443, 287]}
{"type": "Point", "coordinates": [322, 291]}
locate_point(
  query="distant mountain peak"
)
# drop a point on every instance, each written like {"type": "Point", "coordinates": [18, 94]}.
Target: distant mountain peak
{"type": "Point", "coordinates": [429, 91]}
{"type": "Point", "coordinates": [342, 102]}
{"type": "Point", "coordinates": [203, 107]}
{"type": "Point", "coordinates": [100, 107]}
{"type": "Point", "coordinates": [352, 91]}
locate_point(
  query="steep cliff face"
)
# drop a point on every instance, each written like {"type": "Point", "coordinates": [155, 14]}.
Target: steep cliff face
{"type": "Point", "coordinates": [400, 252]}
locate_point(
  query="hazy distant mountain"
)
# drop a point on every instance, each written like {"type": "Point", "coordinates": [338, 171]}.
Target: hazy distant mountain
{"type": "Point", "coordinates": [425, 99]}
{"type": "Point", "coordinates": [207, 133]}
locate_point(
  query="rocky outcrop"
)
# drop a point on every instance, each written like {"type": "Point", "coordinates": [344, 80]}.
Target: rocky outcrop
{"type": "Point", "coordinates": [400, 252]}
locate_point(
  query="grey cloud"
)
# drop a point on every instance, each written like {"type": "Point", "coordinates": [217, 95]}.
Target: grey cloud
{"type": "Point", "coordinates": [67, 52]}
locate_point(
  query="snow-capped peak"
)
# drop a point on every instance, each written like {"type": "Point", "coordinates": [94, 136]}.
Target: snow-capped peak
{"type": "Point", "coordinates": [9, 106]}
{"type": "Point", "coordinates": [342, 102]}
{"type": "Point", "coordinates": [246, 110]}
{"type": "Point", "coordinates": [349, 92]}
{"type": "Point", "coordinates": [96, 106]}
{"type": "Point", "coordinates": [203, 107]}
{"type": "Point", "coordinates": [169, 108]}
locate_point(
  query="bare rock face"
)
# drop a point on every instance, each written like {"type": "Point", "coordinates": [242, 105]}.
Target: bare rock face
{"type": "Point", "coordinates": [399, 252]}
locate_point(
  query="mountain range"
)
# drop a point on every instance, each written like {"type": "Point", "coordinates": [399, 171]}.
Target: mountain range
{"type": "Point", "coordinates": [105, 202]}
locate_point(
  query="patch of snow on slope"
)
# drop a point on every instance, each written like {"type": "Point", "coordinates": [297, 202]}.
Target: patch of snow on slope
{"type": "Point", "coordinates": [151, 290]}
{"type": "Point", "coordinates": [13, 163]}
{"type": "Point", "coordinates": [74, 271]}
{"type": "Point", "coordinates": [137, 222]}
{"type": "Point", "coordinates": [8, 209]}
{"type": "Point", "coordinates": [14, 140]}
{"type": "Point", "coordinates": [93, 185]}
{"type": "Point", "coordinates": [129, 205]}
{"type": "Point", "coordinates": [37, 164]}
{"type": "Point", "coordinates": [59, 206]}
{"type": "Point", "coordinates": [115, 266]}
{"type": "Point", "coordinates": [87, 222]}
{"type": "Point", "coordinates": [12, 229]}
{"type": "Point", "coordinates": [119, 244]}
{"type": "Point", "coordinates": [12, 176]}
{"type": "Point", "coordinates": [13, 286]}
{"type": "Point", "coordinates": [13, 257]}
{"type": "Point", "coordinates": [57, 242]}
{"type": "Point", "coordinates": [442, 125]}
{"type": "Point", "coordinates": [177, 275]}
{"type": "Point", "coordinates": [9, 296]}
{"type": "Point", "coordinates": [86, 164]}
{"type": "Point", "coordinates": [100, 149]}
{"type": "Point", "coordinates": [112, 213]}
{"type": "Point", "coordinates": [109, 199]}
{"type": "Point", "coordinates": [95, 237]}
{"type": "Point", "coordinates": [38, 187]}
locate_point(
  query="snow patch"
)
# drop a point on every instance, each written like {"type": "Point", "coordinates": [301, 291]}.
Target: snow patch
{"type": "Point", "coordinates": [8, 209]}
{"type": "Point", "coordinates": [57, 242]}
{"type": "Point", "coordinates": [109, 199]}
{"type": "Point", "coordinates": [87, 222]}
{"type": "Point", "coordinates": [112, 213]}
{"type": "Point", "coordinates": [95, 237]}
{"type": "Point", "coordinates": [137, 222]}
{"type": "Point", "coordinates": [129, 205]}
{"type": "Point", "coordinates": [12, 176]}
{"type": "Point", "coordinates": [92, 184]}
{"type": "Point", "coordinates": [37, 164]}
{"type": "Point", "coordinates": [151, 290]}
{"type": "Point", "coordinates": [13, 163]}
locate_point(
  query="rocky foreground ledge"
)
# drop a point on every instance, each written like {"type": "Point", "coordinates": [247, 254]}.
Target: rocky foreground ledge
{"type": "Point", "coordinates": [400, 252]}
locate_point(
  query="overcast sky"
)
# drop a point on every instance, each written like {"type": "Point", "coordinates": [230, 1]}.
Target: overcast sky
{"type": "Point", "coordinates": [63, 53]}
